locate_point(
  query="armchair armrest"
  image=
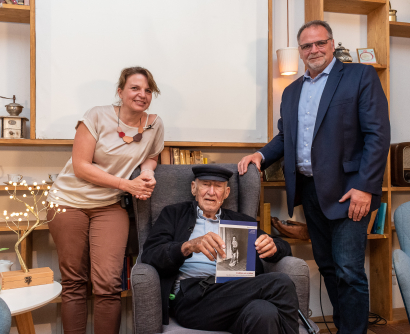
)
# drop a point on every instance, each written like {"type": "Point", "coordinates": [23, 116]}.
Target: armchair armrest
{"type": "Point", "coordinates": [146, 299]}
{"type": "Point", "coordinates": [298, 271]}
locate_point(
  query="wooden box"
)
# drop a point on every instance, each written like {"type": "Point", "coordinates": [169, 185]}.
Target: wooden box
{"type": "Point", "coordinates": [19, 279]}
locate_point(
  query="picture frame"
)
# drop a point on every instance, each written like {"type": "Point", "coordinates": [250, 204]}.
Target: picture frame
{"type": "Point", "coordinates": [366, 56]}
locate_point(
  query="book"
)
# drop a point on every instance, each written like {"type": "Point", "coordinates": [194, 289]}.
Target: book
{"type": "Point", "coordinates": [175, 154]}
{"type": "Point", "coordinates": [371, 222]}
{"type": "Point", "coordinates": [182, 157]}
{"type": "Point", "coordinates": [378, 227]}
{"type": "Point", "coordinates": [187, 157]}
{"type": "Point", "coordinates": [166, 156]}
{"type": "Point", "coordinates": [27, 2]}
{"type": "Point", "coordinates": [124, 274]}
{"type": "Point", "coordinates": [202, 159]}
{"type": "Point", "coordinates": [197, 157]}
{"type": "Point", "coordinates": [239, 238]}
{"type": "Point", "coordinates": [20, 2]}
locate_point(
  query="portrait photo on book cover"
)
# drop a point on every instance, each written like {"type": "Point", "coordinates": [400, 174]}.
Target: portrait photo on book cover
{"type": "Point", "coordinates": [236, 241]}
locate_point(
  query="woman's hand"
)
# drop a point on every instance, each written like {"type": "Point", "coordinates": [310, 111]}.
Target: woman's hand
{"type": "Point", "coordinates": [141, 187]}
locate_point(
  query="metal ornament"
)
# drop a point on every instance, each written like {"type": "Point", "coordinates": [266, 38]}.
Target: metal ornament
{"type": "Point", "coordinates": [392, 14]}
{"type": "Point", "coordinates": [342, 54]}
{"type": "Point", "coordinates": [14, 109]}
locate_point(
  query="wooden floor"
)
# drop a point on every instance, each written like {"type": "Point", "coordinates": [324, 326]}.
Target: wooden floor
{"type": "Point", "coordinates": [399, 325]}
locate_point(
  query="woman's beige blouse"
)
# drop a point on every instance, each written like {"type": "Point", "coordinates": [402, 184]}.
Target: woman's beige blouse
{"type": "Point", "coordinates": [112, 155]}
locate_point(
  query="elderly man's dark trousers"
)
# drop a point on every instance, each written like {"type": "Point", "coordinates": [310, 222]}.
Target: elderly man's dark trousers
{"type": "Point", "coordinates": [265, 304]}
{"type": "Point", "coordinates": [339, 250]}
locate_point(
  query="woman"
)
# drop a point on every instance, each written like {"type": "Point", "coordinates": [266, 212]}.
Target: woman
{"type": "Point", "coordinates": [91, 236]}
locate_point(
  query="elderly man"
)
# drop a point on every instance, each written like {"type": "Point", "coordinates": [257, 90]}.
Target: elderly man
{"type": "Point", "coordinates": [183, 246]}
{"type": "Point", "coordinates": [334, 134]}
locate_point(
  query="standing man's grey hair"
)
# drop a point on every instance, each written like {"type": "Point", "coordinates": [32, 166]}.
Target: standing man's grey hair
{"type": "Point", "coordinates": [316, 23]}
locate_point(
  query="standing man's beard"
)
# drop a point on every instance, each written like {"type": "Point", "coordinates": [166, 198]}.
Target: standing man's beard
{"type": "Point", "coordinates": [317, 65]}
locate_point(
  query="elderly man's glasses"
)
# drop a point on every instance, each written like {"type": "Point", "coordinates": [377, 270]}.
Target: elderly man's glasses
{"type": "Point", "coordinates": [319, 44]}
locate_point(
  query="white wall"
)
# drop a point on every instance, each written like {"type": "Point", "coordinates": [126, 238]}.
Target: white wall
{"type": "Point", "coordinates": [37, 162]}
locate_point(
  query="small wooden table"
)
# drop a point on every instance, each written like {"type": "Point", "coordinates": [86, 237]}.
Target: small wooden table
{"type": "Point", "coordinates": [22, 301]}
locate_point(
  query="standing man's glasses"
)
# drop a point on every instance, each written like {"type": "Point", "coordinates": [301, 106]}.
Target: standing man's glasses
{"type": "Point", "coordinates": [319, 44]}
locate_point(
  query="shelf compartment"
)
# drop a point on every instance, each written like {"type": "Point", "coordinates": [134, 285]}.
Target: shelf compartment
{"type": "Point", "coordinates": [399, 29]}
{"type": "Point", "coordinates": [15, 13]}
{"type": "Point", "coordinates": [362, 7]}
{"type": "Point", "coordinates": [301, 242]}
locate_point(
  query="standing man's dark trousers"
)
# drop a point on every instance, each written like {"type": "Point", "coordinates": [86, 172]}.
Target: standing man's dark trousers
{"type": "Point", "coordinates": [266, 304]}
{"type": "Point", "coordinates": [339, 250]}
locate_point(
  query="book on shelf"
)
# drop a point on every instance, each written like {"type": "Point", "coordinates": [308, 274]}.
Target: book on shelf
{"type": "Point", "coordinates": [372, 220]}
{"type": "Point", "coordinates": [182, 157]}
{"type": "Point", "coordinates": [175, 151]}
{"type": "Point", "coordinates": [239, 238]}
{"type": "Point", "coordinates": [27, 2]}
{"type": "Point", "coordinates": [166, 156]}
{"type": "Point", "coordinates": [20, 2]}
{"type": "Point", "coordinates": [176, 156]}
{"type": "Point", "coordinates": [378, 226]}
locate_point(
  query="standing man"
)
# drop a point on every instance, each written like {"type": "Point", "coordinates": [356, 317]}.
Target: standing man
{"type": "Point", "coordinates": [334, 134]}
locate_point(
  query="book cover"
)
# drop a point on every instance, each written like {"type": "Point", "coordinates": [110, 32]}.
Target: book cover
{"type": "Point", "coordinates": [175, 154]}
{"type": "Point", "coordinates": [239, 238]}
{"type": "Point", "coordinates": [165, 156]}
{"type": "Point", "coordinates": [187, 157]}
{"type": "Point", "coordinates": [182, 157]}
{"type": "Point", "coordinates": [197, 157]}
{"type": "Point", "coordinates": [381, 218]}
{"type": "Point", "coordinates": [27, 2]}
{"type": "Point", "coordinates": [371, 222]}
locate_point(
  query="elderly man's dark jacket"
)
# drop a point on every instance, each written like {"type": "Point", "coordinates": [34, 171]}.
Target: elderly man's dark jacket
{"type": "Point", "coordinates": [174, 226]}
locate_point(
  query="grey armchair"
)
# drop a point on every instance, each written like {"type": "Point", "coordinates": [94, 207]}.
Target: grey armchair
{"type": "Point", "coordinates": [401, 257]}
{"type": "Point", "coordinates": [173, 186]}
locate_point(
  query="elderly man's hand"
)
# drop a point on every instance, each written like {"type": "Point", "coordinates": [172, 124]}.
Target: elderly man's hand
{"type": "Point", "coordinates": [209, 244]}
{"type": "Point", "coordinates": [265, 246]}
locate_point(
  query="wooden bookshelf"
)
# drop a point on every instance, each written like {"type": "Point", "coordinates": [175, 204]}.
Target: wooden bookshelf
{"type": "Point", "coordinates": [292, 241]}
{"type": "Point", "coordinates": [14, 13]}
{"type": "Point", "coordinates": [400, 29]}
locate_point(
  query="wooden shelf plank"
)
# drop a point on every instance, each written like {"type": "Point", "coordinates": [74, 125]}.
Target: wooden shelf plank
{"type": "Point", "coordinates": [69, 142]}
{"type": "Point", "coordinates": [124, 294]}
{"type": "Point", "coordinates": [273, 184]}
{"type": "Point", "coordinates": [15, 13]}
{"type": "Point", "coordinates": [400, 188]}
{"type": "Point", "coordinates": [400, 29]}
{"type": "Point", "coordinates": [299, 242]}
{"type": "Point", "coordinates": [362, 7]}
{"type": "Point", "coordinates": [11, 188]}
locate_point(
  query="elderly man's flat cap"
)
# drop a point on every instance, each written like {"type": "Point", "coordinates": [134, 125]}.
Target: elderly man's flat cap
{"type": "Point", "coordinates": [211, 172]}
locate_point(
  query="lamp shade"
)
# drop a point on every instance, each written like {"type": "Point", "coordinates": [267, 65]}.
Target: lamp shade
{"type": "Point", "coordinates": [288, 60]}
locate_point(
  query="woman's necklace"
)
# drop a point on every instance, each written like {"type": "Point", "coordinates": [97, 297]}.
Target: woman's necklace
{"type": "Point", "coordinates": [137, 138]}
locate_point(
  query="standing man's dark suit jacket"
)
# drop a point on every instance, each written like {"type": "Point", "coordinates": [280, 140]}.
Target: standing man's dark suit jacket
{"type": "Point", "coordinates": [350, 141]}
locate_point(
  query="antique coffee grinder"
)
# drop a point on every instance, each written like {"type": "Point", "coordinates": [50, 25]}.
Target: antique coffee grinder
{"type": "Point", "coordinates": [13, 126]}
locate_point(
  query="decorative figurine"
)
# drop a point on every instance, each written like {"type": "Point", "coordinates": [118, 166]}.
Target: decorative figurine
{"type": "Point", "coordinates": [342, 54]}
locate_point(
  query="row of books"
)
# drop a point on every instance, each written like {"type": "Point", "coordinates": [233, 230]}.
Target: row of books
{"type": "Point", "coordinates": [176, 156]}
{"type": "Point", "coordinates": [16, 2]}
{"type": "Point", "coordinates": [129, 262]}
{"type": "Point", "coordinates": [377, 220]}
